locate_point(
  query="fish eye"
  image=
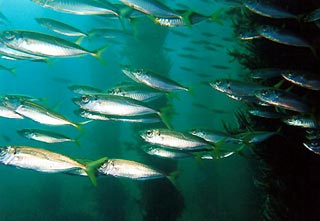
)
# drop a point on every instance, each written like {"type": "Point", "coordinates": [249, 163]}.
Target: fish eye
{"type": "Point", "coordinates": [149, 133]}
{"type": "Point", "coordinates": [85, 99]}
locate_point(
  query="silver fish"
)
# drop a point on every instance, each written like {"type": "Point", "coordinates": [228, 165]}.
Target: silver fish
{"type": "Point", "coordinates": [129, 169]}
{"type": "Point", "coordinates": [283, 37]}
{"type": "Point", "coordinates": [45, 136]}
{"type": "Point", "coordinates": [265, 73]}
{"type": "Point", "coordinates": [152, 79]}
{"type": "Point", "coordinates": [14, 54]}
{"type": "Point", "coordinates": [214, 136]}
{"type": "Point", "coordinates": [174, 140]}
{"type": "Point", "coordinates": [283, 99]}
{"type": "Point", "coordinates": [313, 16]}
{"type": "Point", "coordinates": [136, 92]}
{"type": "Point", "coordinates": [97, 116]}
{"type": "Point", "coordinates": [43, 45]}
{"type": "Point", "coordinates": [255, 136]}
{"type": "Point", "coordinates": [113, 105]}
{"type": "Point", "coordinates": [79, 7]}
{"type": "Point", "coordinates": [301, 121]}
{"type": "Point", "coordinates": [165, 153]}
{"type": "Point", "coordinates": [151, 7]}
{"type": "Point", "coordinates": [38, 113]}
{"type": "Point", "coordinates": [265, 113]}
{"type": "Point", "coordinates": [60, 27]}
{"type": "Point", "coordinates": [302, 79]}
{"type": "Point", "coordinates": [37, 159]}
{"type": "Point", "coordinates": [45, 161]}
{"type": "Point", "coordinates": [85, 89]}
{"type": "Point", "coordinates": [235, 87]}
{"type": "Point", "coordinates": [313, 146]}
{"type": "Point", "coordinates": [268, 10]}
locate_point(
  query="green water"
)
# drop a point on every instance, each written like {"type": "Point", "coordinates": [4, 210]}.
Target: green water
{"type": "Point", "coordinates": [220, 190]}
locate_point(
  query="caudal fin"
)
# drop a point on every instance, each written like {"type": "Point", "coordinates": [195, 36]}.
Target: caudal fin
{"type": "Point", "coordinates": [92, 167]}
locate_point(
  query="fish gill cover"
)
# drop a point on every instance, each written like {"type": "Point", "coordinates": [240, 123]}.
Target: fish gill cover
{"type": "Point", "coordinates": [96, 90]}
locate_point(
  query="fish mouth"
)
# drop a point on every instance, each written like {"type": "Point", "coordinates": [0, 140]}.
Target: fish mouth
{"type": "Point", "coordinates": [76, 101]}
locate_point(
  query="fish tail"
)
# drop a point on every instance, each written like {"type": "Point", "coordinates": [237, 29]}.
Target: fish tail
{"type": "Point", "coordinates": [165, 115]}
{"type": "Point", "coordinates": [173, 177]}
{"type": "Point", "coordinates": [186, 18]}
{"type": "Point", "coordinates": [98, 54]}
{"type": "Point", "coordinates": [12, 71]}
{"type": "Point", "coordinates": [279, 84]}
{"type": "Point", "coordinates": [215, 16]}
{"type": "Point", "coordinates": [92, 167]}
{"type": "Point", "coordinates": [79, 40]}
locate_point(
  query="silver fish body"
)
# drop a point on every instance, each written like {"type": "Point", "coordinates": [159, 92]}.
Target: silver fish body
{"type": "Point", "coordinates": [103, 117]}
{"type": "Point", "coordinates": [302, 79]}
{"type": "Point", "coordinates": [40, 44]}
{"type": "Point", "coordinates": [236, 87]}
{"type": "Point", "coordinates": [283, 37]}
{"type": "Point", "coordinates": [136, 92]}
{"type": "Point", "coordinates": [60, 27]}
{"type": "Point", "coordinates": [85, 89]}
{"type": "Point", "coordinates": [214, 136]}
{"type": "Point", "coordinates": [129, 169]}
{"type": "Point", "coordinates": [165, 153]}
{"type": "Point", "coordinates": [40, 114]}
{"type": "Point", "coordinates": [113, 105]}
{"type": "Point", "coordinates": [79, 7]}
{"type": "Point", "coordinates": [38, 159]}
{"type": "Point", "coordinates": [283, 99]}
{"type": "Point", "coordinates": [151, 7]}
{"type": "Point", "coordinates": [267, 10]}
{"type": "Point", "coordinates": [44, 136]}
{"type": "Point", "coordinates": [301, 121]}
{"type": "Point", "coordinates": [174, 140]}
{"type": "Point", "coordinates": [152, 79]}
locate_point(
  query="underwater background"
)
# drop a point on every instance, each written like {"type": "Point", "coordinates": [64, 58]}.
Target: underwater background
{"type": "Point", "coordinates": [267, 181]}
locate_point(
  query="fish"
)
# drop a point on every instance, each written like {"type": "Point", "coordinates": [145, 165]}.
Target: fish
{"type": "Point", "coordinates": [265, 73]}
{"type": "Point", "coordinates": [283, 99]}
{"type": "Point", "coordinates": [45, 136]}
{"type": "Point", "coordinates": [136, 92]}
{"type": "Point", "coordinates": [10, 70]}
{"type": "Point", "coordinates": [44, 45]}
{"type": "Point", "coordinates": [103, 117]}
{"type": "Point", "coordinates": [236, 87]}
{"type": "Point", "coordinates": [151, 7]}
{"type": "Point", "coordinates": [249, 35]}
{"type": "Point", "coordinates": [113, 105]}
{"type": "Point", "coordinates": [302, 78]}
{"type": "Point", "coordinates": [222, 67]}
{"type": "Point", "coordinates": [266, 113]}
{"type": "Point", "coordinates": [8, 113]}
{"type": "Point", "coordinates": [301, 121]}
{"type": "Point", "coordinates": [13, 54]}
{"type": "Point", "coordinates": [268, 10]}
{"type": "Point", "coordinates": [314, 16]}
{"type": "Point", "coordinates": [255, 136]}
{"type": "Point", "coordinates": [152, 79]}
{"type": "Point", "coordinates": [84, 89]}
{"type": "Point", "coordinates": [174, 140]}
{"type": "Point", "coordinates": [60, 27]}
{"type": "Point", "coordinates": [283, 37]}
{"type": "Point", "coordinates": [313, 145]}
{"type": "Point", "coordinates": [165, 153]}
{"type": "Point", "coordinates": [129, 169]}
{"type": "Point", "coordinates": [38, 113]}
{"type": "Point", "coordinates": [188, 18]}
{"type": "Point", "coordinates": [42, 160]}
{"type": "Point", "coordinates": [79, 7]}
{"type": "Point", "coordinates": [214, 136]}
